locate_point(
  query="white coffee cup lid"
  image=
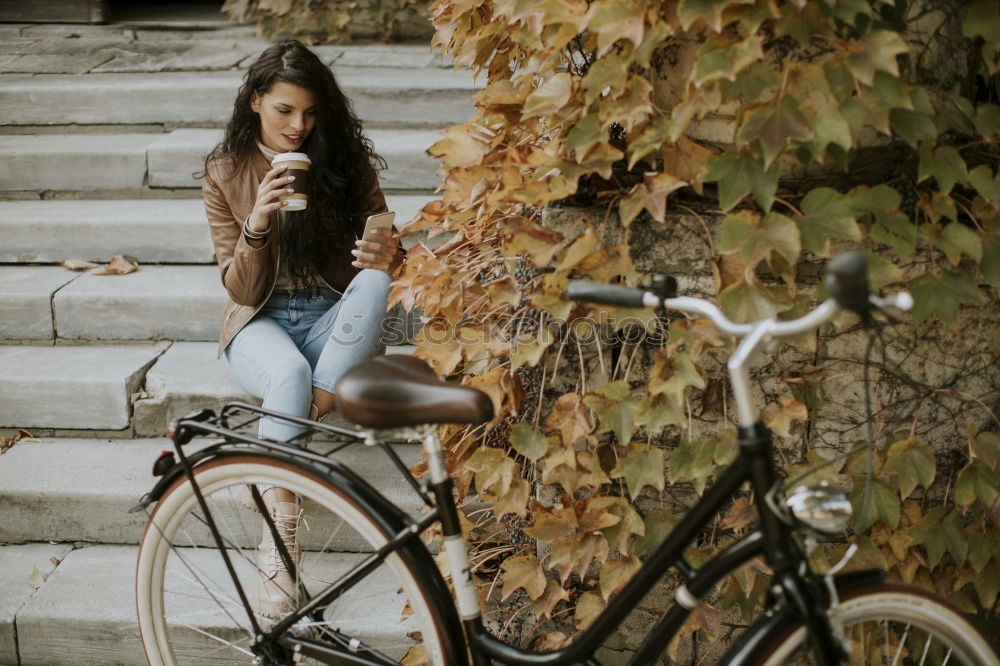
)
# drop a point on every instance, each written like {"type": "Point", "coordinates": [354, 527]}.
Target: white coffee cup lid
{"type": "Point", "coordinates": [290, 157]}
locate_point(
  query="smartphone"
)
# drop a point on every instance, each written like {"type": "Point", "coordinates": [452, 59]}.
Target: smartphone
{"type": "Point", "coordinates": [378, 221]}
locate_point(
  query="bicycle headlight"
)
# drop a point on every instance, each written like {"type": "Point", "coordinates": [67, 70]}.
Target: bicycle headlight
{"type": "Point", "coordinates": [823, 508]}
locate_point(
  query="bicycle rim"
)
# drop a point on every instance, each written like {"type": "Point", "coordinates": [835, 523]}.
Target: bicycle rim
{"type": "Point", "coordinates": [897, 625]}
{"type": "Point", "coordinates": [189, 607]}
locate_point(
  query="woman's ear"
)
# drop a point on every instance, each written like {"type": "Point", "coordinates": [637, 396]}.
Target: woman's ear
{"type": "Point", "coordinates": [254, 102]}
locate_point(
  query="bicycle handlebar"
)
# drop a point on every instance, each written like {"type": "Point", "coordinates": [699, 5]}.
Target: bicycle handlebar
{"type": "Point", "coordinates": [846, 282]}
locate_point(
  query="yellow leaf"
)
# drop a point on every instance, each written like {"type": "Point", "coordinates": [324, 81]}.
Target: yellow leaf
{"type": "Point", "coordinates": [686, 161]}
{"type": "Point", "coordinates": [523, 235]}
{"type": "Point", "coordinates": [459, 148]}
{"type": "Point", "coordinates": [569, 417]}
{"type": "Point", "coordinates": [522, 571]}
{"type": "Point", "coordinates": [778, 416]}
{"type": "Point", "coordinates": [550, 96]}
{"type": "Point", "coordinates": [588, 607]}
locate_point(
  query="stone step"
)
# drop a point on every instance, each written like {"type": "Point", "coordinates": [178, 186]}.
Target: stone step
{"type": "Point", "coordinates": [188, 376]}
{"type": "Point", "coordinates": [128, 161]}
{"type": "Point", "coordinates": [84, 614]}
{"type": "Point", "coordinates": [87, 495]}
{"type": "Point", "coordinates": [17, 565]}
{"type": "Point", "coordinates": [401, 97]}
{"type": "Point", "coordinates": [26, 300]}
{"type": "Point", "coordinates": [153, 231]}
{"type": "Point", "coordinates": [72, 387]}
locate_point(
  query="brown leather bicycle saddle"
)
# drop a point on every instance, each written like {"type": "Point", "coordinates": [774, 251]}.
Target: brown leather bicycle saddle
{"type": "Point", "coordinates": [399, 390]}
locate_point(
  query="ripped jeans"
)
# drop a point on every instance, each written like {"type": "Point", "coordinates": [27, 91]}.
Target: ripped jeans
{"type": "Point", "coordinates": [304, 338]}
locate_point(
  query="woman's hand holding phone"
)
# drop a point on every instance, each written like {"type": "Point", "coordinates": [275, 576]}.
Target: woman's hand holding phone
{"type": "Point", "coordinates": [271, 187]}
{"type": "Point", "coordinates": [380, 251]}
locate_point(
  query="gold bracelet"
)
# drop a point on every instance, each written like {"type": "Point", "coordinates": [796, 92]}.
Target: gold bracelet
{"type": "Point", "coordinates": [254, 235]}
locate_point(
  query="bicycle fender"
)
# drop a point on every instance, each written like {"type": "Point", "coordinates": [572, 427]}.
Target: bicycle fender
{"type": "Point", "coordinates": [765, 631]}
{"type": "Point", "coordinates": [388, 516]}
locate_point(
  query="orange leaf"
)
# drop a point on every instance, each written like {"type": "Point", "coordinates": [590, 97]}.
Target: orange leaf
{"type": "Point", "coordinates": [779, 417]}
{"type": "Point", "coordinates": [119, 265]}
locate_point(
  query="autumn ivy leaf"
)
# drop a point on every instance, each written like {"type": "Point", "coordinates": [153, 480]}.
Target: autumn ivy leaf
{"type": "Point", "coordinates": [773, 126]}
{"type": "Point", "coordinates": [941, 296]}
{"type": "Point", "coordinates": [739, 174]}
{"type": "Point", "coordinates": [813, 471]}
{"type": "Point", "coordinates": [586, 133]}
{"type": "Point", "coordinates": [721, 58]}
{"type": "Point", "coordinates": [881, 270]}
{"type": "Point", "coordinates": [671, 375]}
{"type": "Point", "coordinates": [876, 51]}
{"type": "Point", "coordinates": [528, 441]}
{"type": "Point", "coordinates": [569, 417]}
{"type": "Point", "coordinates": [884, 505]}
{"type": "Point", "coordinates": [826, 214]}
{"type": "Point", "coordinates": [522, 571]}
{"type": "Point", "coordinates": [912, 126]}
{"type": "Point", "coordinates": [615, 406]}
{"type": "Point", "coordinates": [551, 523]}
{"type": "Point", "coordinates": [989, 265]}
{"type": "Point", "coordinates": [492, 466]}
{"type": "Point", "coordinates": [757, 239]}
{"type": "Point", "coordinates": [988, 120]}
{"type": "Point", "coordinates": [709, 11]}
{"type": "Point", "coordinates": [642, 466]}
{"type": "Point", "coordinates": [647, 139]}
{"type": "Point", "coordinates": [957, 239]}
{"type": "Point", "coordinates": [523, 235]}
{"type": "Point", "coordinates": [692, 460]}
{"type": "Point", "coordinates": [985, 447]}
{"type": "Point", "coordinates": [686, 161]}
{"type": "Point", "coordinates": [944, 164]}
{"type": "Point", "coordinates": [588, 607]}
{"type": "Point", "coordinates": [529, 351]}
{"type": "Point", "coordinates": [616, 573]}
{"type": "Point", "coordinates": [460, 147]}
{"type": "Point", "coordinates": [977, 481]}
{"type": "Point", "coordinates": [778, 416]}
{"type": "Point", "coordinates": [985, 183]}
{"type": "Point", "coordinates": [513, 501]}
{"type": "Point", "coordinates": [606, 74]}
{"type": "Point", "coordinates": [553, 594]}
{"type": "Point", "coordinates": [594, 515]}
{"type": "Point", "coordinates": [617, 19]}
{"type": "Point", "coordinates": [927, 533]}
{"type": "Point", "coordinates": [913, 464]}
{"type": "Point", "coordinates": [551, 96]}
{"type": "Point", "coordinates": [591, 462]}
{"type": "Point", "coordinates": [878, 200]}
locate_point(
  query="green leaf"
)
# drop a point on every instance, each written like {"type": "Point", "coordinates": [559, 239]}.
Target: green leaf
{"type": "Point", "coordinates": [941, 296]}
{"type": "Point", "coordinates": [957, 239]}
{"type": "Point", "coordinates": [739, 174]}
{"type": "Point", "coordinates": [928, 533]}
{"type": "Point", "coordinates": [982, 20]}
{"type": "Point", "coordinates": [773, 126]}
{"type": "Point", "coordinates": [897, 231]}
{"type": "Point", "coordinates": [912, 126]}
{"type": "Point", "coordinates": [881, 271]}
{"type": "Point", "coordinates": [880, 199]}
{"type": "Point", "coordinates": [982, 179]}
{"type": "Point", "coordinates": [827, 214]}
{"type": "Point", "coordinates": [752, 83]}
{"type": "Point", "coordinates": [884, 505]}
{"type": "Point", "coordinates": [913, 464]}
{"type": "Point", "coordinates": [710, 11]}
{"type": "Point", "coordinates": [672, 374]}
{"type": "Point", "coordinates": [615, 407]}
{"type": "Point", "coordinates": [617, 19]}
{"type": "Point", "coordinates": [977, 481]}
{"type": "Point", "coordinates": [607, 73]}
{"type": "Point", "coordinates": [586, 134]}
{"type": "Point", "coordinates": [944, 163]}
{"type": "Point", "coordinates": [642, 466]}
{"type": "Point", "coordinates": [876, 51]}
{"type": "Point", "coordinates": [692, 461]}
{"type": "Point", "coordinates": [988, 120]}
{"type": "Point", "coordinates": [550, 96]}
{"type": "Point", "coordinates": [528, 441]}
{"type": "Point", "coordinates": [989, 265]}
{"type": "Point", "coordinates": [746, 302]}
{"type": "Point", "coordinates": [985, 447]}
{"type": "Point", "coordinates": [954, 534]}
{"type": "Point", "coordinates": [744, 232]}
{"type": "Point", "coordinates": [656, 411]}
{"type": "Point", "coordinates": [658, 525]}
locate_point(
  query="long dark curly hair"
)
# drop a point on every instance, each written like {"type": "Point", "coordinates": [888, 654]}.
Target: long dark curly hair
{"type": "Point", "coordinates": [344, 162]}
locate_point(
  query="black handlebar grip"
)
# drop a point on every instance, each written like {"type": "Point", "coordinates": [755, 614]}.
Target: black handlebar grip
{"type": "Point", "coordinates": [847, 281]}
{"type": "Point", "coordinates": [608, 294]}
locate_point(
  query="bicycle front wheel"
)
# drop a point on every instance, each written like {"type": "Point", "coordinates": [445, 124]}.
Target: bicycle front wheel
{"type": "Point", "coordinates": [889, 623]}
{"type": "Point", "coordinates": [190, 608]}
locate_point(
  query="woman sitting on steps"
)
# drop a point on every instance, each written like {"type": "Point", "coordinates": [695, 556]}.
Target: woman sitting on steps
{"type": "Point", "coordinates": [306, 298]}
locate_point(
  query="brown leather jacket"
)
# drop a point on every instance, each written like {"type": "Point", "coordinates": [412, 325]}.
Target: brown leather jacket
{"type": "Point", "coordinates": [249, 273]}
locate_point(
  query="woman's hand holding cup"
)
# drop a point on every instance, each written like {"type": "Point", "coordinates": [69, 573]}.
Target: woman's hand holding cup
{"type": "Point", "coordinates": [380, 252]}
{"type": "Point", "coordinates": [272, 186]}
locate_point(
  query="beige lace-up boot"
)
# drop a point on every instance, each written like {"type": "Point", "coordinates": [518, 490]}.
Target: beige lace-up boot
{"type": "Point", "coordinates": [277, 592]}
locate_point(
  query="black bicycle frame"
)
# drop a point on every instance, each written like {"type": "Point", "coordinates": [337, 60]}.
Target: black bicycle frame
{"type": "Point", "coordinates": [791, 585]}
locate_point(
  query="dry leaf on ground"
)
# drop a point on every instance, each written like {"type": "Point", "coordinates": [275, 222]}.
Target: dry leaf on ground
{"type": "Point", "coordinates": [7, 442]}
{"type": "Point", "coordinates": [119, 265]}
{"type": "Point", "coordinates": [78, 264]}
{"type": "Point", "coordinates": [36, 579]}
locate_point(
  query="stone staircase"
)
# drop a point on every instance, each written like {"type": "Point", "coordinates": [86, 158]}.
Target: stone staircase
{"type": "Point", "coordinates": [101, 128]}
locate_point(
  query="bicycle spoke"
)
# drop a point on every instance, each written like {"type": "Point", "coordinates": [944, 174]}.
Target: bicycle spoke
{"type": "Point", "coordinates": [902, 642]}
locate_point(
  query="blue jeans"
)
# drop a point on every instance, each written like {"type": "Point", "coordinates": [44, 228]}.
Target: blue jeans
{"type": "Point", "coordinates": [305, 338]}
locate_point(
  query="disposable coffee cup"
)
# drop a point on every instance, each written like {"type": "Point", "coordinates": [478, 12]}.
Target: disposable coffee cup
{"type": "Point", "coordinates": [298, 166]}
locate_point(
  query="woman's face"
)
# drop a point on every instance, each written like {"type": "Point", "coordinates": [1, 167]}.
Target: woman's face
{"type": "Point", "coordinates": [287, 116]}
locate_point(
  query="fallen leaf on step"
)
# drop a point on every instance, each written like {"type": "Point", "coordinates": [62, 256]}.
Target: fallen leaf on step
{"type": "Point", "coordinates": [36, 579]}
{"type": "Point", "coordinates": [78, 265]}
{"type": "Point", "coordinates": [7, 442]}
{"type": "Point", "coordinates": [119, 265]}
{"type": "Point", "coordinates": [55, 560]}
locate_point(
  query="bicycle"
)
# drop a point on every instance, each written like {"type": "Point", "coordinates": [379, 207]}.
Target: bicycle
{"type": "Point", "coordinates": [193, 604]}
